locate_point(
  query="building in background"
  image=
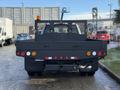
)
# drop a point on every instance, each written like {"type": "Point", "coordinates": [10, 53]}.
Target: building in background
{"type": "Point", "coordinates": [23, 17]}
{"type": "Point", "coordinates": [104, 20]}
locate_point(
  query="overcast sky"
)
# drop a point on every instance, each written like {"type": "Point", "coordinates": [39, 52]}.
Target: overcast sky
{"type": "Point", "coordinates": [74, 6]}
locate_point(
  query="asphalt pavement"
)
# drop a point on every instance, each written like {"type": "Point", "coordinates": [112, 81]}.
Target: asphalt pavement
{"type": "Point", "coordinates": [14, 77]}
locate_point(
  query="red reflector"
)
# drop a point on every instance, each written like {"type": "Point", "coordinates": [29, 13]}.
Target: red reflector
{"type": "Point", "coordinates": [18, 53]}
{"type": "Point", "coordinates": [23, 53]}
{"type": "Point", "coordinates": [99, 53]}
{"type": "Point", "coordinates": [104, 53]}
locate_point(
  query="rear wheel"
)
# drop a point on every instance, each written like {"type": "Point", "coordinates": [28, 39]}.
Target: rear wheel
{"type": "Point", "coordinates": [82, 73]}
{"type": "Point", "coordinates": [34, 73]}
{"type": "Point", "coordinates": [39, 73]}
{"type": "Point", "coordinates": [91, 73]}
{"type": "Point", "coordinates": [34, 67]}
{"type": "Point", "coordinates": [87, 73]}
{"type": "Point", "coordinates": [30, 73]}
{"type": "Point", "coordinates": [9, 41]}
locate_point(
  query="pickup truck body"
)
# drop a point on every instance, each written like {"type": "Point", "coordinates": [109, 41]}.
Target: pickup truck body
{"type": "Point", "coordinates": [61, 51]}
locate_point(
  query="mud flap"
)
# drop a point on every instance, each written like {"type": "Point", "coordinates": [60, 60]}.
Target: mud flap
{"type": "Point", "coordinates": [34, 66]}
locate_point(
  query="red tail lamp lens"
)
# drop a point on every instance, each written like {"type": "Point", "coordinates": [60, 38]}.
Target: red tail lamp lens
{"type": "Point", "coordinates": [18, 53]}
{"type": "Point", "coordinates": [104, 53]}
{"type": "Point", "coordinates": [99, 53]}
{"type": "Point", "coordinates": [23, 53]}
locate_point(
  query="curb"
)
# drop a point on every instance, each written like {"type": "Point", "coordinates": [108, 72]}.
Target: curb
{"type": "Point", "coordinates": [109, 72]}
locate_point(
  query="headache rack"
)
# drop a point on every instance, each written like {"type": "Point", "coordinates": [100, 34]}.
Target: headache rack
{"type": "Point", "coordinates": [82, 23]}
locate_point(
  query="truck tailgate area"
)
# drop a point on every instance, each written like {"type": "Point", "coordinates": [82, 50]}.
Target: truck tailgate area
{"type": "Point", "coordinates": [62, 49]}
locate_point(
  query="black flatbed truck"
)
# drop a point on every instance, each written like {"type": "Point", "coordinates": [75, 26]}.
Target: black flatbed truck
{"type": "Point", "coordinates": [61, 46]}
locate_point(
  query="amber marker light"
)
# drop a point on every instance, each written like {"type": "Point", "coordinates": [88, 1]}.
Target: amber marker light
{"type": "Point", "coordinates": [34, 53]}
{"type": "Point", "coordinates": [88, 53]}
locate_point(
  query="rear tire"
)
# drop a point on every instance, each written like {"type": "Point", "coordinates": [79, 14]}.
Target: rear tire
{"type": "Point", "coordinates": [39, 73]}
{"type": "Point", "coordinates": [34, 73]}
{"type": "Point", "coordinates": [91, 73]}
{"type": "Point", "coordinates": [30, 73]}
{"type": "Point", "coordinates": [82, 73]}
{"type": "Point", "coordinates": [34, 67]}
{"type": "Point", "coordinates": [9, 41]}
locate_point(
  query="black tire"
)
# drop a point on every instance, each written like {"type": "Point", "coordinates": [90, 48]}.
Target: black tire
{"type": "Point", "coordinates": [9, 41]}
{"type": "Point", "coordinates": [39, 73]}
{"type": "Point", "coordinates": [31, 66]}
{"type": "Point", "coordinates": [91, 73]}
{"type": "Point", "coordinates": [82, 73]}
{"type": "Point", "coordinates": [30, 73]}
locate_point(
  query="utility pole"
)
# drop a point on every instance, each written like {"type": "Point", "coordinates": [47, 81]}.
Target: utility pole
{"type": "Point", "coordinates": [23, 15]}
{"type": "Point", "coordinates": [22, 11]}
{"type": "Point", "coordinates": [110, 5]}
{"type": "Point", "coordinates": [95, 17]}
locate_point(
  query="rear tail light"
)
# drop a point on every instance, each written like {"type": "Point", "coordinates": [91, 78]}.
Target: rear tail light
{"type": "Point", "coordinates": [104, 53]}
{"type": "Point", "coordinates": [99, 54]}
{"type": "Point", "coordinates": [28, 53]}
{"type": "Point", "coordinates": [21, 53]}
{"type": "Point", "coordinates": [18, 53]}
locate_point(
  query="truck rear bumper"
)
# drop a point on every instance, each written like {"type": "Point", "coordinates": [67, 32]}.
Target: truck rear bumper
{"type": "Point", "coordinates": [83, 65]}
